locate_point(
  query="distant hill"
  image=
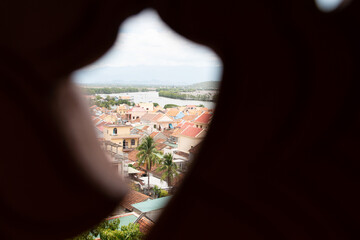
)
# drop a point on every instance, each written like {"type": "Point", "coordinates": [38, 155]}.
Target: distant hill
{"type": "Point", "coordinates": [205, 85]}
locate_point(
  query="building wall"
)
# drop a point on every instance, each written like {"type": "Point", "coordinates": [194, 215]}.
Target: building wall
{"type": "Point", "coordinates": [109, 118]}
{"type": "Point", "coordinates": [108, 131]}
{"type": "Point", "coordinates": [201, 125]}
{"type": "Point", "coordinates": [185, 143]}
{"type": "Point", "coordinates": [135, 115]}
{"type": "Point", "coordinates": [147, 106]}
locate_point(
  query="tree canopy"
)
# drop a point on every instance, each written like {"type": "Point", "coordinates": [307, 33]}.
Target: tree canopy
{"type": "Point", "coordinates": [168, 167]}
{"type": "Point", "coordinates": [109, 230]}
{"type": "Point", "coordinates": [147, 155]}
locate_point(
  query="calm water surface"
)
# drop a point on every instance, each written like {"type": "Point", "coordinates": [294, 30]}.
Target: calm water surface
{"type": "Point", "coordinates": [154, 97]}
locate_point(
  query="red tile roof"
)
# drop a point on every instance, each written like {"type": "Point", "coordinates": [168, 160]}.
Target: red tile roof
{"type": "Point", "coordinates": [195, 149]}
{"type": "Point", "coordinates": [204, 118]}
{"type": "Point", "coordinates": [191, 132]}
{"type": "Point", "coordinates": [153, 134]}
{"type": "Point", "coordinates": [133, 197]}
{"type": "Point", "coordinates": [172, 112]}
{"type": "Point", "coordinates": [189, 117]}
{"type": "Point", "coordinates": [177, 132]}
{"type": "Point", "coordinates": [157, 117]}
{"type": "Point", "coordinates": [145, 224]}
{"type": "Point", "coordinates": [132, 155]}
{"type": "Point", "coordinates": [148, 116]}
{"type": "Point", "coordinates": [160, 146]}
{"type": "Point", "coordinates": [160, 140]}
{"type": "Point", "coordinates": [100, 126]}
{"type": "Point", "coordinates": [187, 124]}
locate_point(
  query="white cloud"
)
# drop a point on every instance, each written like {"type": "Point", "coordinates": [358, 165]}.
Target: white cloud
{"type": "Point", "coordinates": [144, 40]}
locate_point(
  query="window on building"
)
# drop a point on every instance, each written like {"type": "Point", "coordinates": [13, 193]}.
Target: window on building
{"type": "Point", "coordinates": [115, 131]}
{"type": "Point", "coordinates": [132, 141]}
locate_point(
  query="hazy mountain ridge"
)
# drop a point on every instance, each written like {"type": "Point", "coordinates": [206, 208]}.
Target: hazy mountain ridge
{"type": "Point", "coordinates": [146, 76]}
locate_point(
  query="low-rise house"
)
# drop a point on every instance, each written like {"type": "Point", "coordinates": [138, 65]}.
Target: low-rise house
{"type": "Point", "coordinates": [132, 155]}
{"type": "Point", "coordinates": [132, 197]}
{"type": "Point", "coordinates": [203, 120]}
{"type": "Point", "coordinates": [162, 122]}
{"type": "Point", "coordinates": [158, 108]}
{"type": "Point", "coordinates": [145, 224]}
{"type": "Point", "coordinates": [158, 135]}
{"type": "Point", "coordinates": [135, 113]}
{"type": "Point", "coordinates": [122, 109]}
{"type": "Point", "coordinates": [151, 208]}
{"type": "Point", "coordinates": [190, 137]}
{"type": "Point", "coordinates": [172, 112]}
{"type": "Point", "coordinates": [125, 219]}
{"type": "Point", "coordinates": [147, 106]}
{"type": "Point", "coordinates": [120, 134]}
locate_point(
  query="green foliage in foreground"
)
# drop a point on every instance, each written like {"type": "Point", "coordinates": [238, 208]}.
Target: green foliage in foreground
{"type": "Point", "coordinates": [108, 230]}
{"type": "Point", "coordinates": [129, 232]}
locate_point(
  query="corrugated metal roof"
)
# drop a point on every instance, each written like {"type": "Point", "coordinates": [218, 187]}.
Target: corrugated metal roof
{"type": "Point", "coordinates": [151, 205]}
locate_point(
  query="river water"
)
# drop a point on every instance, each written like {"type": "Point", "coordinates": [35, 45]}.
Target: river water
{"type": "Point", "coordinates": [154, 97]}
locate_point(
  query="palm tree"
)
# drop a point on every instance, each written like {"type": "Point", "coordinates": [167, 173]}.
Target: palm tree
{"type": "Point", "coordinates": [147, 155]}
{"type": "Point", "coordinates": [169, 168]}
{"type": "Point", "coordinates": [157, 191]}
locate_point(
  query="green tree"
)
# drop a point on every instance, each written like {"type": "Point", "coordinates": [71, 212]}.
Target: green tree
{"type": "Point", "coordinates": [147, 155]}
{"type": "Point", "coordinates": [170, 106]}
{"type": "Point", "coordinates": [163, 193]}
{"type": "Point", "coordinates": [156, 104]}
{"type": "Point", "coordinates": [96, 231]}
{"type": "Point", "coordinates": [157, 191]}
{"type": "Point", "coordinates": [109, 230]}
{"type": "Point", "coordinates": [130, 232]}
{"type": "Point", "coordinates": [169, 168]}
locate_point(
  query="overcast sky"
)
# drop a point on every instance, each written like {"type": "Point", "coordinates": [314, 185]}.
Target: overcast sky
{"type": "Point", "coordinates": [149, 52]}
{"type": "Point", "coordinates": [145, 47]}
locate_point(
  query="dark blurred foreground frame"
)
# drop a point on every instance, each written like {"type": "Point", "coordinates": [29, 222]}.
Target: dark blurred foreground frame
{"type": "Point", "coordinates": [280, 160]}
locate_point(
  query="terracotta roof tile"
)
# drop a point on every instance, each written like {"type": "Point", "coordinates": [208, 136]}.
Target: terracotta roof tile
{"type": "Point", "coordinates": [133, 197]}
{"type": "Point", "coordinates": [157, 117]}
{"type": "Point", "coordinates": [189, 117]}
{"type": "Point", "coordinates": [132, 155]}
{"type": "Point", "coordinates": [204, 118]}
{"type": "Point", "coordinates": [148, 117]}
{"type": "Point", "coordinates": [145, 224]}
{"type": "Point", "coordinates": [195, 149]}
{"type": "Point", "coordinates": [176, 132]}
{"type": "Point", "coordinates": [191, 131]}
{"type": "Point", "coordinates": [187, 124]}
{"type": "Point", "coordinates": [172, 112]}
{"type": "Point", "coordinates": [153, 134]}
{"type": "Point", "coordinates": [160, 140]}
{"type": "Point", "coordinates": [168, 133]}
{"type": "Point", "coordinates": [160, 146]}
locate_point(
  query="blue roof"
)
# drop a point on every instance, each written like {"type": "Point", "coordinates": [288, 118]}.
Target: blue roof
{"type": "Point", "coordinates": [124, 221]}
{"type": "Point", "coordinates": [151, 205]}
